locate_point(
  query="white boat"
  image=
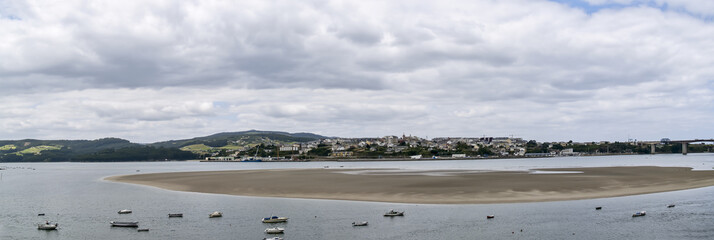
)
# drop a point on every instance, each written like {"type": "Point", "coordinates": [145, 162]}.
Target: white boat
{"type": "Point", "coordinates": [274, 230]}
{"type": "Point", "coordinates": [124, 211]}
{"type": "Point", "coordinates": [393, 213]}
{"type": "Point", "coordinates": [47, 226]}
{"type": "Point", "coordinates": [273, 238]}
{"type": "Point", "coordinates": [124, 224]}
{"type": "Point", "coordinates": [355, 224]}
{"type": "Point", "coordinates": [173, 215]}
{"type": "Point", "coordinates": [639, 214]}
{"type": "Point", "coordinates": [215, 214]}
{"type": "Point", "coordinates": [274, 219]}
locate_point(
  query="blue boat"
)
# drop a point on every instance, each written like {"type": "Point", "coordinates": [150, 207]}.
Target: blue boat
{"type": "Point", "coordinates": [274, 219]}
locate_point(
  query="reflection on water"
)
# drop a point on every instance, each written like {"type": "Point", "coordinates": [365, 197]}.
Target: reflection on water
{"type": "Point", "coordinates": [75, 195]}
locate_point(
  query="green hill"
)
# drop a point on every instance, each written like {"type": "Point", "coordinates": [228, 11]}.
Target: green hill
{"type": "Point", "coordinates": [245, 138]}
{"type": "Point", "coordinates": [105, 149]}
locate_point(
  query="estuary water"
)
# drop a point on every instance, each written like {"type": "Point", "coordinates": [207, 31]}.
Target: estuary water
{"type": "Point", "coordinates": [75, 196]}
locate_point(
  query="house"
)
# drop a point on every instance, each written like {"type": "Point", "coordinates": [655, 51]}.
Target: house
{"type": "Point", "coordinates": [289, 148]}
{"type": "Point", "coordinates": [341, 154]}
{"type": "Point", "coordinates": [220, 159]}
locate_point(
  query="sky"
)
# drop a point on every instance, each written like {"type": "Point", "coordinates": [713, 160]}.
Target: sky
{"type": "Point", "coordinates": [148, 71]}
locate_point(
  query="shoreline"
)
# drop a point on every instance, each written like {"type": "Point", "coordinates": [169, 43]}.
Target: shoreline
{"type": "Point", "coordinates": [431, 187]}
{"type": "Point", "coordinates": [405, 159]}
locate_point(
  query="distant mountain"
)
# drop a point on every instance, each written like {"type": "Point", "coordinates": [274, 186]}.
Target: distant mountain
{"type": "Point", "coordinates": [241, 138]}
{"type": "Point", "coordinates": [116, 149]}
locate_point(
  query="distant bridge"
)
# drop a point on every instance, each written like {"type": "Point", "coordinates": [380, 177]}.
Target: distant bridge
{"type": "Point", "coordinates": [683, 142]}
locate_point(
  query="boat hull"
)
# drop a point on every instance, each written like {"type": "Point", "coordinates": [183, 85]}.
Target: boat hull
{"type": "Point", "coordinates": [124, 224]}
{"type": "Point", "coordinates": [47, 227]}
{"type": "Point", "coordinates": [275, 230]}
{"type": "Point", "coordinates": [275, 220]}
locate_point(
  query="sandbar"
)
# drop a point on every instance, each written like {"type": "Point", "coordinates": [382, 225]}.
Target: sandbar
{"type": "Point", "coordinates": [431, 187]}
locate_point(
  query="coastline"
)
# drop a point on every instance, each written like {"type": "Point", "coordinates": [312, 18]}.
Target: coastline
{"type": "Point", "coordinates": [431, 187]}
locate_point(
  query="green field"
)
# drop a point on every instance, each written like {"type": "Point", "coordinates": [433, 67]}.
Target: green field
{"type": "Point", "coordinates": [197, 148]}
{"type": "Point", "coordinates": [232, 147]}
{"type": "Point", "coordinates": [7, 147]}
{"type": "Point", "coordinates": [38, 149]}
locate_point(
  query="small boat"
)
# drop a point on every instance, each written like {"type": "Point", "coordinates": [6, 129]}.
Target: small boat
{"type": "Point", "coordinates": [356, 224]}
{"type": "Point", "coordinates": [173, 215]}
{"type": "Point", "coordinates": [215, 214]}
{"type": "Point", "coordinates": [490, 216]}
{"type": "Point", "coordinates": [274, 219]}
{"type": "Point", "coordinates": [598, 208]}
{"type": "Point", "coordinates": [275, 230]}
{"type": "Point", "coordinates": [124, 224]}
{"type": "Point", "coordinates": [124, 211]}
{"type": "Point", "coordinates": [273, 238]}
{"type": "Point", "coordinates": [639, 214]}
{"type": "Point", "coordinates": [393, 213]}
{"type": "Point", "coordinates": [142, 230]}
{"type": "Point", "coordinates": [47, 226]}
{"type": "Point", "coordinates": [670, 206]}
{"type": "Point", "coordinates": [40, 214]}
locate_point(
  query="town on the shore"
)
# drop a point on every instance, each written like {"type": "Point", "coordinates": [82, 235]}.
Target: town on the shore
{"type": "Point", "coordinates": [412, 148]}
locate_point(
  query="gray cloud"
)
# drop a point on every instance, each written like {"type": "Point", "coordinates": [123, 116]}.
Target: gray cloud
{"type": "Point", "coordinates": [536, 68]}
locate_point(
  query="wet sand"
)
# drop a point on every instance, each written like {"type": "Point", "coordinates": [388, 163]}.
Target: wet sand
{"type": "Point", "coordinates": [433, 187]}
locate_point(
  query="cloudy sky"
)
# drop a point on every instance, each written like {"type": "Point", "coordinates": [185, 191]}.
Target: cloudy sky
{"type": "Point", "coordinates": [146, 71]}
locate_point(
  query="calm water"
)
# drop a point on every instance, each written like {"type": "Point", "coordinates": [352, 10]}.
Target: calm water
{"type": "Point", "coordinates": [75, 195]}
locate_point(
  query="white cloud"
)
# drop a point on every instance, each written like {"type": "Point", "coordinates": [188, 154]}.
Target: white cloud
{"type": "Point", "coordinates": [151, 71]}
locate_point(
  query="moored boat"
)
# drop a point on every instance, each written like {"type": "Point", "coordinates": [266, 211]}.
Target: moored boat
{"type": "Point", "coordinates": [124, 224]}
{"type": "Point", "coordinates": [47, 226]}
{"type": "Point", "coordinates": [273, 238]}
{"type": "Point", "coordinates": [356, 224]}
{"type": "Point", "coordinates": [393, 213]}
{"type": "Point", "coordinates": [274, 219]}
{"type": "Point", "coordinates": [639, 214]}
{"type": "Point", "coordinates": [124, 211]}
{"type": "Point", "coordinates": [215, 214]}
{"type": "Point", "coordinates": [142, 230]}
{"type": "Point", "coordinates": [275, 230]}
{"type": "Point", "coordinates": [173, 215]}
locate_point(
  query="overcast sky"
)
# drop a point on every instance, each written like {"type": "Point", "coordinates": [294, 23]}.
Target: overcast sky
{"type": "Point", "coordinates": [148, 71]}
